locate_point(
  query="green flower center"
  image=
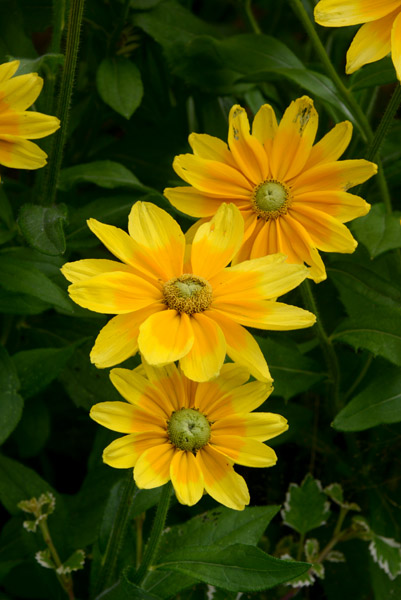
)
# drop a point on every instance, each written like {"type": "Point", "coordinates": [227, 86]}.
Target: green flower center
{"type": "Point", "coordinates": [188, 293]}
{"type": "Point", "coordinates": [188, 429]}
{"type": "Point", "coordinates": [271, 199]}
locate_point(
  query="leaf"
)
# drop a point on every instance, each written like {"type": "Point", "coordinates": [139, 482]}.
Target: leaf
{"type": "Point", "coordinates": [238, 568]}
{"type": "Point", "coordinates": [335, 492]}
{"type": "Point", "coordinates": [124, 589]}
{"type": "Point", "coordinates": [378, 73]}
{"type": "Point", "coordinates": [386, 552]}
{"type": "Point", "coordinates": [74, 563]}
{"type": "Point", "coordinates": [305, 506]}
{"type": "Point", "coordinates": [6, 213]}
{"type": "Point", "coordinates": [119, 84]}
{"type": "Point", "coordinates": [378, 403]}
{"type": "Point", "coordinates": [11, 403]}
{"type": "Point", "coordinates": [292, 372]}
{"type": "Point", "coordinates": [45, 61]}
{"type": "Point", "coordinates": [104, 173]}
{"type": "Point", "coordinates": [378, 230]}
{"type": "Point", "coordinates": [37, 368]}
{"type": "Point", "coordinates": [42, 227]}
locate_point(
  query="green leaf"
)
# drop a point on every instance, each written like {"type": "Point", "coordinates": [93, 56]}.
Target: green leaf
{"type": "Point", "coordinates": [20, 304]}
{"type": "Point", "coordinates": [378, 403]}
{"type": "Point", "coordinates": [238, 568]}
{"type": "Point", "coordinates": [42, 227]}
{"type": "Point", "coordinates": [292, 372]}
{"type": "Point", "coordinates": [43, 62]}
{"type": "Point", "coordinates": [305, 506]}
{"type": "Point", "coordinates": [376, 74]}
{"type": "Point", "coordinates": [124, 589]}
{"type": "Point", "coordinates": [119, 84]}
{"type": "Point", "coordinates": [74, 563]}
{"type": "Point", "coordinates": [33, 429]}
{"type": "Point", "coordinates": [335, 492]}
{"type": "Point", "coordinates": [37, 368]}
{"type": "Point", "coordinates": [11, 403]}
{"type": "Point", "coordinates": [378, 230]}
{"type": "Point", "coordinates": [6, 213]}
{"type": "Point", "coordinates": [15, 276]}
{"type": "Point", "coordinates": [104, 173]}
{"type": "Point", "coordinates": [386, 552]}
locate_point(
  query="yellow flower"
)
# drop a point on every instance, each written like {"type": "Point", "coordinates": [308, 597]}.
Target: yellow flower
{"type": "Point", "coordinates": [380, 34]}
{"type": "Point", "coordinates": [17, 125]}
{"type": "Point", "coordinates": [291, 193]}
{"type": "Point", "coordinates": [177, 303]}
{"type": "Point", "coordinates": [191, 433]}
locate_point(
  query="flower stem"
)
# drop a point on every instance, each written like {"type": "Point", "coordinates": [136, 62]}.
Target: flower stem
{"type": "Point", "coordinates": [64, 579]}
{"type": "Point", "coordinates": [116, 539]}
{"type": "Point", "coordinates": [67, 83]}
{"type": "Point", "coordinates": [155, 535]}
{"type": "Point", "coordinates": [325, 342]}
{"type": "Point", "coordinates": [250, 18]}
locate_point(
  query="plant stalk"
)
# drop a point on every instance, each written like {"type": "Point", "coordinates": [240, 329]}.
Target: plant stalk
{"type": "Point", "coordinates": [65, 580]}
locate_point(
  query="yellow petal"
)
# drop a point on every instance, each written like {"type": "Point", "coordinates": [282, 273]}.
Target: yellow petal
{"type": "Point", "coordinates": [206, 357]}
{"type": "Point", "coordinates": [264, 127]}
{"type": "Point", "coordinates": [28, 125]}
{"type": "Point", "coordinates": [372, 42]}
{"type": "Point", "coordinates": [152, 468]}
{"type": "Point", "coordinates": [257, 426]}
{"type": "Point", "coordinates": [125, 451]}
{"type": "Point", "coordinates": [169, 384]}
{"type": "Point", "coordinates": [160, 235]}
{"type": "Point", "coordinates": [191, 201]}
{"type": "Point", "coordinates": [8, 69]}
{"type": "Point", "coordinates": [221, 481]}
{"type": "Point", "coordinates": [165, 337]}
{"type": "Point", "coordinates": [124, 418]}
{"type": "Point", "coordinates": [20, 92]}
{"type": "Point", "coordinates": [337, 13]}
{"type": "Point", "coordinates": [208, 395]}
{"type": "Point", "coordinates": [118, 340]}
{"type": "Point", "coordinates": [331, 146]}
{"type": "Point", "coordinates": [239, 400]}
{"type": "Point", "coordinates": [326, 232]}
{"type": "Point", "coordinates": [294, 139]}
{"type": "Point", "coordinates": [341, 205]}
{"type": "Point", "coordinates": [186, 478]}
{"type": "Point", "coordinates": [215, 243]}
{"type": "Point", "coordinates": [396, 45]}
{"type": "Point", "coordinates": [299, 247]}
{"type": "Point", "coordinates": [266, 314]}
{"type": "Point", "coordinates": [249, 453]}
{"type": "Point", "coordinates": [211, 148]}
{"type": "Point", "coordinates": [18, 153]}
{"type": "Point", "coordinates": [247, 151]}
{"type": "Point", "coordinates": [340, 175]}
{"type": "Point", "coordinates": [115, 293]}
{"type": "Point", "coordinates": [90, 267]}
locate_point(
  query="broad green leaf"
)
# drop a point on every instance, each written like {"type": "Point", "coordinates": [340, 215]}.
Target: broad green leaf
{"type": "Point", "coordinates": [386, 552]}
{"type": "Point", "coordinates": [306, 506]}
{"type": "Point", "coordinates": [378, 403]}
{"type": "Point", "coordinates": [383, 587]}
{"type": "Point", "coordinates": [238, 568]}
{"type": "Point", "coordinates": [119, 84]}
{"type": "Point", "coordinates": [11, 403]}
{"type": "Point", "coordinates": [42, 227]}
{"type": "Point", "coordinates": [104, 173]}
{"type": "Point", "coordinates": [378, 231]}
{"type": "Point", "coordinates": [292, 372]}
{"type": "Point", "coordinates": [124, 589]}
{"type": "Point", "coordinates": [20, 304]}
{"type": "Point", "coordinates": [15, 276]}
{"type": "Point", "coordinates": [37, 368]}
{"type": "Point", "coordinates": [33, 429]}
{"type": "Point", "coordinates": [376, 74]}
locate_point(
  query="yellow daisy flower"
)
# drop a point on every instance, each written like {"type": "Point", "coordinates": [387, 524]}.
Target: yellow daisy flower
{"type": "Point", "coordinates": [177, 303]}
{"type": "Point", "coordinates": [191, 433]}
{"type": "Point", "coordinates": [17, 125]}
{"type": "Point", "coordinates": [380, 34]}
{"type": "Point", "coordinates": [292, 194]}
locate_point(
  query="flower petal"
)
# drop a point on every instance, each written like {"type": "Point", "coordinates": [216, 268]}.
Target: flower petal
{"type": "Point", "coordinates": [221, 481]}
{"type": "Point", "coordinates": [125, 451]}
{"type": "Point", "coordinates": [211, 148]}
{"type": "Point", "coordinates": [152, 468]}
{"type": "Point", "coordinates": [80, 270]}
{"type": "Point", "coordinates": [186, 477]}
{"type": "Point", "coordinates": [206, 357]}
{"type": "Point", "coordinates": [340, 175]}
{"type": "Point", "coordinates": [117, 416]}
{"type": "Point", "coordinates": [237, 401]}
{"type": "Point", "coordinates": [396, 45]}
{"type": "Point", "coordinates": [8, 69]}
{"type": "Point", "coordinates": [18, 153]}
{"type": "Point", "coordinates": [28, 125]}
{"type": "Point", "coordinates": [20, 92]}
{"type": "Point", "coordinates": [247, 151]}
{"type": "Point", "coordinates": [249, 453]}
{"type": "Point", "coordinates": [372, 42]}
{"type": "Point", "coordinates": [326, 232]}
{"type": "Point", "coordinates": [165, 337]}
{"type": "Point", "coordinates": [170, 385]}
{"type": "Point", "coordinates": [341, 205]}
{"type": "Point", "coordinates": [337, 13]}
{"type": "Point", "coordinates": [267, 314]}
{"type": "Point", "coordinates": [258, 426]}
{"type": "Point", "coordinates": [264, 127]}
{"type": "Point", "coordinates": [331, 146]}
{"type": "Point", "coordinates": [215, 243]}
{"type": "Point", "coordinates": [191, 201]}
{"type": "Point", "coordinates": [299, 247]}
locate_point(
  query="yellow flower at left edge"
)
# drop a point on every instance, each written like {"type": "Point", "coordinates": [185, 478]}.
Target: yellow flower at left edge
{"type": "Point", "coordinates": [17, 124]}
{"type": "Point", "coordinates": [177, 302]}
{"type": "Point", "coordinates": [189, 433]}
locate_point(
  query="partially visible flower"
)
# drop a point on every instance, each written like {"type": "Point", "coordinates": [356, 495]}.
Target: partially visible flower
{"type": "Point", "coordinates": [191, 433]}
{"type": "Point", "coordinates": [380, 34]}
{"type": "Point", "coordinates": [292, 194]}
{"type": "Point", "coordinates": [17, 124]}
{"type": "Point", "coordinates": [180, 303]}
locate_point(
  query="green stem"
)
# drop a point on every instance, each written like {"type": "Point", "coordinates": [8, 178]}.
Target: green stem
{"type": "Point", "coordinates": [155, 535]}
{"type": "Point", "coordinates": [250, 18]}
{"type": "Point", "coordinates": [384, 124]}
{"type": "Point", "coordinates": [139, 520]}
{"type": "Point", "coordinates": [67, 83]}
{"type": "Point", "coordinates": [361, 375]}
{"type": "Point", "coordinates": [300, 546]}
{"type": "Point", "coordinates": [116, 539]}
{"type": "Point", "coordinates": [340, 521]}
{"type": "Point", "coordinates": [325, 342]}
{"type": "Point", "coordinates": [65, 580]}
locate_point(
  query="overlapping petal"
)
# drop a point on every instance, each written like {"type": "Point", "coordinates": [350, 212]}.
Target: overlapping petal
{"type": "Point", "coordinates": [165, 337]}
{"type": "Point", "coordinates": [337, 13]}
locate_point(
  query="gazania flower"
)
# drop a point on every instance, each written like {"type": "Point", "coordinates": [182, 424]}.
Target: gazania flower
{"type": "Point", "coordinates": [17, 125]}
{"type": "Point", "coordinates": [177, 303]}
{"type": "Point", "coordinates": [191, 433]}
{"type": "Point", "coordinates": [292, 194]}
{"type": "Point", "coordinates": [380, 34]}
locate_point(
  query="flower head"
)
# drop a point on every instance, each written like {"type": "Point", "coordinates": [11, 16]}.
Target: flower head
{"type": "Point", "coordinates": [17, 124]}
{"type": "Point", "coordinates": [380, 34]}
{"type": "Point", "coordinates": [191, 433]}
{"type": "Point", "coordinates": [292, 194]}
{"type": "Point", "coordinates": [177, 302]}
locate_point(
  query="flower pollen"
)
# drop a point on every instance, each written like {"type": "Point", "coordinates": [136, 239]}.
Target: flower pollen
{"type": "Point", "coordinates": [271, 199]}
{"type": "Point", "coordinates": [188, 429]}
{"type": "Point", "coordinates": [187, 293]}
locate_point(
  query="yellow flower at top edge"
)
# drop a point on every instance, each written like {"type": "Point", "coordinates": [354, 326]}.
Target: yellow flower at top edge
{"type": "Point", "coordinates": [380, 34]}
{"type": "Point", "coordinates": [190, 433]}
{"type": "Point", "coordinates": [291, 193]}
{"type": "Point", "coordinates": [181, 303]}
{"type": "Point", "coordinates": [17, 124]}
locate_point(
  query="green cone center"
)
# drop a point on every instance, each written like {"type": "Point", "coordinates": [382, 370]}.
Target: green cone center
{"type": "Point", "coordinates": [188, 429]}
{"type": "Point", "coordinates": [270, 196]}
{"type": "Point", "coordinates": [188, 293]}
